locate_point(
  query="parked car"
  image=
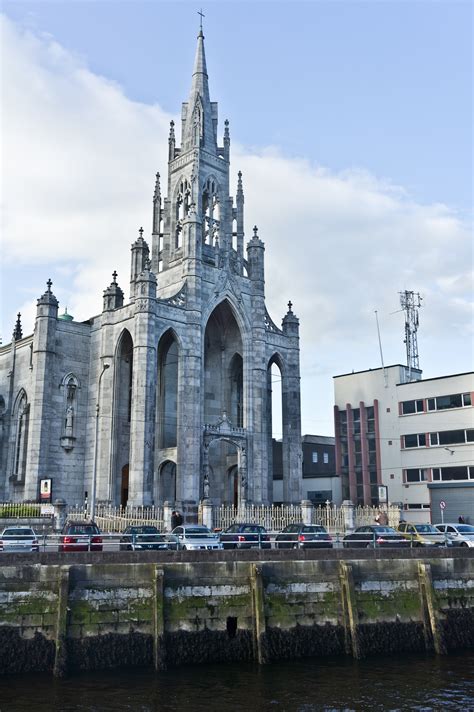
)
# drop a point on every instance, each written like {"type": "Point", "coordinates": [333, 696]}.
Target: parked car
{"type": "Point", "coordinates": [303, 536]}
{"type": "Point", "coordinates": [18, 539]}
{"type": "Point", "coordinates": [193, 537]}
{"type": "Point", "coordinates": [422, 534]}
{"type": "Point", "coordinates": [136, 538]}
{"type": "Point", "coordinates": [245, 536]}
{"type": "Point", "coordinates": [375, 535]}
{"type": "Point", "coordinates": [80, 536]}
{"type": "Point", "coordinates": [458, 534]}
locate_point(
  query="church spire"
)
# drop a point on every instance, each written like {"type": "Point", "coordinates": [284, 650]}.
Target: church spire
{"type": "Point", "coordinates": [17, 331]}
{"type": "Point", "coordinates": [199, 127]}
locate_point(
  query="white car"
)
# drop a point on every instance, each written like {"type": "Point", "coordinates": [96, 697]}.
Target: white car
{"type": "Point", "coordinates": [18, 539]}
{"type": "Point", "coordinates": [458, 534]}
{"type": "Point", "coordinates": [193, 537]}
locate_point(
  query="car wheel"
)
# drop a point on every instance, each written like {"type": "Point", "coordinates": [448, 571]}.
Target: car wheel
{"type": "Point", "coordinates": [183, 548]}
{"type": "Point", "coordinates": [464, 543]}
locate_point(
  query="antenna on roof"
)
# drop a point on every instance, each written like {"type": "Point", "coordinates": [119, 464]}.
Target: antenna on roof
{"type": "Point", "coordinates": [410, 303]}
{"type": "Point", "coordinates": [381, 352]}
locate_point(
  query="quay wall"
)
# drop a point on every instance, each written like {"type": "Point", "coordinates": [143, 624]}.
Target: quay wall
{"type": "Point", "coordinates": [69, 612]}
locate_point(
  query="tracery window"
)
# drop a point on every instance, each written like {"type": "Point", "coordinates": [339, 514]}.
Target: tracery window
{"type": "Point", "coordinates": [211, 213]}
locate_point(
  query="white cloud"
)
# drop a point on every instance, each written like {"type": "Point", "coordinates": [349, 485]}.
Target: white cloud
{"type": "Point", "coordinates": [78, 175]}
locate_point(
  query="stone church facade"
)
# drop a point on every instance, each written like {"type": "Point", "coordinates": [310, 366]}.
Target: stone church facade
{"type": "Point", "coordinates": [166, 397]}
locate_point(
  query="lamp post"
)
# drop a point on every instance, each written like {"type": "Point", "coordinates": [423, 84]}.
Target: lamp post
{"type": "Point", "coordinates": [105, 366]}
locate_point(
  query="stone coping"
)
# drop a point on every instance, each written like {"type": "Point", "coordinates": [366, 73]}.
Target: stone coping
{"type": "Point", "coordinates": [172, 557]}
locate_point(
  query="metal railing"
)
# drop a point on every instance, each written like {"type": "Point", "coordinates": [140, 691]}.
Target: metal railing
{"type": "Point", "coordinates": [21, 510]}
{"type": "Point", "coordinates": [115, 519]}
{"type": "Point", "coordinates": [110, 542]}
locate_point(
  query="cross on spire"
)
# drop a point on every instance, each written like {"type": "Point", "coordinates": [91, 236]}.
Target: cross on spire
{"type": "Point", "coordinates": [200, 12]}
{"type": "Point", "coordinates": [290, 304]}
{"type": "Point", "coordinates": [141, 232]}
{"type": "Point", "coordinates": [49, 284]}
{"type": "Point", "coordinates": [114, 275]}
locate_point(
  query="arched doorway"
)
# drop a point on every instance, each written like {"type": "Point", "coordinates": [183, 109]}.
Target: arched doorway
{"type": "Point", "coordinates": [165, 486]}
{"type": "Point", "coordinates": [124, 486]}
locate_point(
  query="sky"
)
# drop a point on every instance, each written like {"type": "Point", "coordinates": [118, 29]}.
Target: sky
{"type": "Point", "coordinates": [351, 122]}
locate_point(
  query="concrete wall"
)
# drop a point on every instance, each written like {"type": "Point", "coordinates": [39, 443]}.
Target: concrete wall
{"type": "Point", "coordinates": [87, 611]}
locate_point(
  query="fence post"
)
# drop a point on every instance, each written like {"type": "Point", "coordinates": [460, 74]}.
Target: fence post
{"type": "Point", "coordinates": [206, 509]}
{"type": "Point", "coordinates": [306, 511]}
{"type": "Point", "coordinates": [59, 514]}
{"type": "Point", "coordinates": [167, 509]}
{"type": "Point", "coordinates": [349, 515]}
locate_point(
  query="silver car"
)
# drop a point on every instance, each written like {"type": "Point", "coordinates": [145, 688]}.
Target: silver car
{"type": "Point", "coordinates": [458, 534]}
{"type": "Point", "coordinates": [18, 539]}
{"type": "Point", "coordinates": [193, 537]}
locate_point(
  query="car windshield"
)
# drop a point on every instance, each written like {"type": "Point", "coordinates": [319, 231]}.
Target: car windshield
{"type": "Point", "coordinates": [82, 529]}
{"type": "Point", "coordinates": [314, 530]}
{"type": "Point", "coordinates": [254, 529]}
{"type": "Point", "coordinates": [197, 532]}
{"type": "Point", "coordinates": [143, 530]}
{"type": "Point", "coordinates": [426, 529]}
{"type": "Point", "coordinates": [465, 529]}
{"type": "Point", "coordinates": [18, 532]}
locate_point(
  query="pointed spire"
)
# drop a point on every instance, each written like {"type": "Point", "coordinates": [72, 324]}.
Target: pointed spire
{"type": "Point", "coordinates": [198, 129]}
{"type": "Point", "coordinates": [17, 331]}
{"type": "Point", "coordinates": [171, 142]}
{"type": "Point", "coordinates": [240, 189]}
{"type": "Point", "coordinates": [157, 193]}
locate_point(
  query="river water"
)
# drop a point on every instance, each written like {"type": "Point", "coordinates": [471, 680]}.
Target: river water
{"type": "Point", "coordinates": [421, 684]}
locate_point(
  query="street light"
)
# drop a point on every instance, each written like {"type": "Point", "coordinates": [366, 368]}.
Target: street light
{"type": "Point", "coordinates": [105, 366]}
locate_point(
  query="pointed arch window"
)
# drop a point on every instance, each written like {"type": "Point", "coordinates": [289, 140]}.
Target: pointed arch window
{"type": "Point", "coordinates": [211, 213]}
{"type": "Point", "coordinates": [183, 203]}
{"type": "Point", "coordinates": [21, 419]}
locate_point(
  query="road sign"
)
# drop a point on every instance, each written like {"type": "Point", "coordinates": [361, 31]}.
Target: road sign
{"type": "Point", "coordinates": [442, 504]}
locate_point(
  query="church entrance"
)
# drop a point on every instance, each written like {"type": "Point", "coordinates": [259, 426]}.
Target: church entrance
{"type": "Point", "coordinates": [124, 486]}
{"type": "Point", "coordinates": [165, 486]}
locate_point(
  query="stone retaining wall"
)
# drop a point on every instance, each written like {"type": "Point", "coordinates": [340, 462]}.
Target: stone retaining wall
{"type": "Point", "coordinates": [92, 611]}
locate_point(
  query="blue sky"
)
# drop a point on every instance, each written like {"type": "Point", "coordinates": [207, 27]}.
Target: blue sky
{"type": "Point", "coordinates": [381, 84]}
{"type": "Point", "coordinates": [352, 122]}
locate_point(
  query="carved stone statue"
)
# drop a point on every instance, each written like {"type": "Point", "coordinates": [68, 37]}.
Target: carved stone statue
{"type": "Point", "coordinates": [69, 420]}
{"type": "Point", "coordinates": [206, 486]}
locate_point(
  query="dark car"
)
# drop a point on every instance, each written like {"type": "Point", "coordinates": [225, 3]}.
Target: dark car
{"type": "Point", "coordinates": [245, 536]}
{"type": "Point", "coordinates": [303, 536]}
{"type": "Point", "coordinates": [375, 535]}
{"type": "Point", "coordinates": [80, 536]}
{"type": "Point", "coordinates": [138, 538]}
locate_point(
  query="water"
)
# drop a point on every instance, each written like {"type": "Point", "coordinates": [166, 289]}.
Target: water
{"type": "Point", "coordinates": [419, 684]}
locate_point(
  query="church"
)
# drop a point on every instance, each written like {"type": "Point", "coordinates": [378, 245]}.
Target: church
{"type": "Point", "coordinates": [166, 396]}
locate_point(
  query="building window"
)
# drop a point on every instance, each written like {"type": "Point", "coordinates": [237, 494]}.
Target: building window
{"type": "Point", "coordinates": [447, 474]}
{"type": "Point", "coordinates": [456, 400]}
{"type": "Point", "coordinates": [413, 505]}
{"type": "Point", "coordinates": [315, 456]}
{"type": "Point", "coordinates": [356, 420]}
{"type": "Point", "coordinates": [416, 474]}
{"type": "Point", "coordinates": [416, 440]}
{"type": "Point", "coordinates": [452, 437]}
{"type": "Point", "coordinates": [412, 406]}
{"type": "Point", "coordinates": [325, 458]}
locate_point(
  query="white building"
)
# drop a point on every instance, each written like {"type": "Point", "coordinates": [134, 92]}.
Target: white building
{"type": "Point", "coordinates": [414, 436]}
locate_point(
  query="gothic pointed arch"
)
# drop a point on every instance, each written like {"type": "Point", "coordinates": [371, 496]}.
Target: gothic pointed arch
{"type": "Point", "coordinates": [168, 389]}
{"type": "Point", "coordinates": [21, 417]}
{"type": "Point", "coordinates": [211, 211]}
{"type": "Point", "coordinates": [123, 394]}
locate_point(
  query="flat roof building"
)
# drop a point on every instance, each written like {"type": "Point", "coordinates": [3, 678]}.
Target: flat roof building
{"type": "Point", "coordinates": [395, 429]}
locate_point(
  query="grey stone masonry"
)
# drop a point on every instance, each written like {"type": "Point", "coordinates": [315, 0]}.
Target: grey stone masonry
{"type": "Point", "coordinates": [166, 396]}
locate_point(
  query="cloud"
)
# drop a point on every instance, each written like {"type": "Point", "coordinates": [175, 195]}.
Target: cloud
{"type": "Point", "coordinates": [78, 176]}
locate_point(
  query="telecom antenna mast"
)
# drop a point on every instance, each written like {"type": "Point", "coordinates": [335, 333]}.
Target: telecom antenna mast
{"type": "Point", "coordinates": [410, 303]}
